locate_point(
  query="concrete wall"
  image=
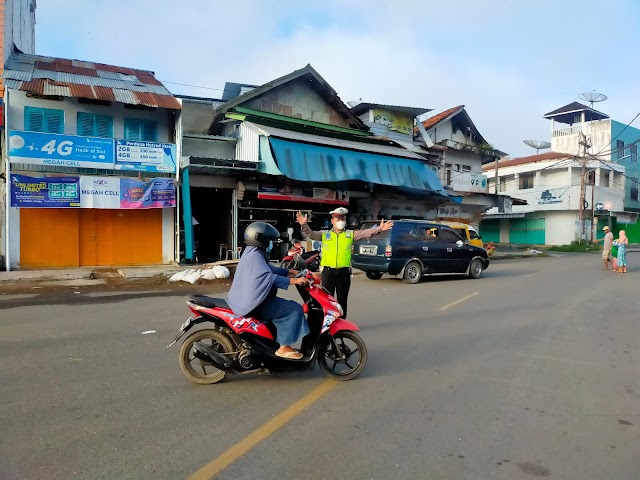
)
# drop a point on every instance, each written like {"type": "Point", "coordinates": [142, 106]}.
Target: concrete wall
{"type": "Point", "coordinates": [168, 237]}
{"type": "Point", "coordinates": [2, 218]}
{"type": "Point", "coordinates": [20, 26]}
{"type": "Point", "coordinates": [208, 148]}
{"type": "Point", "coordinates": [632, 168]}
{"type": "Point", "coordinates": [296, 99]}
{"type": "Point", "coordinates": [197, 116]}
{"type": "Point", "coordinates": [565, 138]}
{"type": "Point", "coordinates": [71, 106]}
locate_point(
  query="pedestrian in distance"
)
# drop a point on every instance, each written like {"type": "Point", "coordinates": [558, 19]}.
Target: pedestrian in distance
{"type": "Point", "coordinates": [622, 242]}
{"type": "Point", "coordinates": [606, 248]}
{"type": "Point", "coordinates": [336, 251]}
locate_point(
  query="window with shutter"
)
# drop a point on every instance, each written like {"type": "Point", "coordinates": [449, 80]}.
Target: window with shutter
{"type": "Point", "coordinates": [43, 120]}
{"type": "Point", "coordinates": [145, 130]}
{"type": "Point", "coordinates": [104, 126]}
{"type": "Point", "coordinates": [91, 125]}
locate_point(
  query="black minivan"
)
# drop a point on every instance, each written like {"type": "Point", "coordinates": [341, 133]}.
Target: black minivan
{"type": "Point", "coordinates": [415, 248]}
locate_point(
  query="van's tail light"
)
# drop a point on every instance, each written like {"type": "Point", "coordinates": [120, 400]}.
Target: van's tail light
{"type": "Point", "coordinates": [387, 251]}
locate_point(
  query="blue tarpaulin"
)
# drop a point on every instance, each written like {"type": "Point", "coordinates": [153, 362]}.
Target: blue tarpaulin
{"type": "Point", "coordinates": [316, 163]}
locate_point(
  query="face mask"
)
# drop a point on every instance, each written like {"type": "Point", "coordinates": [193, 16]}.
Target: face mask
{"type": "Point", "coordinates": [341, 224]}
{"type": "Point", "coordinates": [270, 247]}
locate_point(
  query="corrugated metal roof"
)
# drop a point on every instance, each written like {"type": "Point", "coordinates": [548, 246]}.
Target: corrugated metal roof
{"type": "Point", "coordinates": [56, 90]}
{"type": "Point", "coordinates": [333, 142]}
{"type": "Point", "coordinates": [75, 78]}
{"type": "Point", "coordinates": [17, 75]}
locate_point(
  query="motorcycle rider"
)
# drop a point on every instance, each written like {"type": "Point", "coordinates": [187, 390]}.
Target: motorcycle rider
{"type": "Point", "coordinates": [336, 251]}
{"type": "Point", "coordinates": [255, 285]}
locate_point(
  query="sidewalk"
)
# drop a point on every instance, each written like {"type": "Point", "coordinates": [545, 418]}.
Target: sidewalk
{"type": "Point", "coordinates": [98, 275]}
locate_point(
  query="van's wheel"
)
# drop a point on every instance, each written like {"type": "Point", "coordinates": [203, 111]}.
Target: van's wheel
{"type": "Point", "coordinates": [413, 272]}
{"type": "Point", "coordinates": [475, 269]}
{"type": "Point", "coordinates": [197, 370]}
{"type": "Point", "coordinates": [374, 275]}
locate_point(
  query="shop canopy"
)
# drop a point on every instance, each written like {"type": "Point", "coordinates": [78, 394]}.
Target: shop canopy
{"type": "Point", "coordinates": [323, 161]}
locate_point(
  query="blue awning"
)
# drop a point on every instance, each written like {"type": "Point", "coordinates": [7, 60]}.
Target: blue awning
{"type": "Point", "coordinates": [317, 163]}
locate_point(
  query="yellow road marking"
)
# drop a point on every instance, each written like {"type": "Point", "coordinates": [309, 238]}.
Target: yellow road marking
{"type": "Point", "coordinates": [243, 446]}
{"type": "Point", "coordinates": [460, 300]}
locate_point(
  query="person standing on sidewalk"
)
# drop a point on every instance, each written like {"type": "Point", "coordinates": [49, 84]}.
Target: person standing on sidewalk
{"type": "Point", "coordinates": [336, 251]}
{"type": "Point", "coordinates": [606, 248]}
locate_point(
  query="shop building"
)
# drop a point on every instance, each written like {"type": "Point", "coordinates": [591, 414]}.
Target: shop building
{"type": "Point", "coordinates": [91, 163]}
{"type": "Point", "coordinates": [293, 145]}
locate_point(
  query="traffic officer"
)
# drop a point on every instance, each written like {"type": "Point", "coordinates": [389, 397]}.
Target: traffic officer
{"type": "Point", "coordinates": [336, 251]}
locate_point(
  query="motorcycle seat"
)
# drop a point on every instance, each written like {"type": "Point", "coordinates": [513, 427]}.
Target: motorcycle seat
{"type": "Point", "coordinates": [209, 302]}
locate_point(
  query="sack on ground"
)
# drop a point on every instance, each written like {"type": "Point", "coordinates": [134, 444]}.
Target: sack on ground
{"type": "Point", "coordinates": [208, 274]}
{"type": "Point", "coordinates": [221, 272]}
{"type": "Point", "coordinates": [192, 277]}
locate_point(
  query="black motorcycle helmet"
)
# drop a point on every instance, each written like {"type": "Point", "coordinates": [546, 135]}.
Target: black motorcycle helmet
{"type": "Point", "coordinates": [259, 234]}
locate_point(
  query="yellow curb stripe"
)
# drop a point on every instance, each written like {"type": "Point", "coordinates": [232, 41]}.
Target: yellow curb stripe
{"type": "Point", "coordinates": [243, 446]}
{"type": "Point", "coordinates": [460, 300]}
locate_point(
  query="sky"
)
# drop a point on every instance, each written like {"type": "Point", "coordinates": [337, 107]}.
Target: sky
{"type": "Point", "coordinates": [508, 61]}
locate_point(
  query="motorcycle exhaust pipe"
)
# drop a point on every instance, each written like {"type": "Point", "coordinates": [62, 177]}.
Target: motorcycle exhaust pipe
{"type": "Point", "coordinates": [207, 354]}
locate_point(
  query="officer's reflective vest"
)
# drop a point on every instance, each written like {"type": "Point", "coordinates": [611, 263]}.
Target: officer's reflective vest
{"type": "Point", "coordinates": [336, 249]}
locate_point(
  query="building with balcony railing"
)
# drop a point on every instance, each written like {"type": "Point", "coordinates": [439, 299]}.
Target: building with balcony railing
{"type": "Point", "coordinates": [609, 140]}
{"type": "Point", "coordinates": [550, 183]}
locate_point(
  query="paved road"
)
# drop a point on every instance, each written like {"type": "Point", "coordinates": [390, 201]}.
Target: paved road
{"type": "Point", "coordinates": [534, 376]}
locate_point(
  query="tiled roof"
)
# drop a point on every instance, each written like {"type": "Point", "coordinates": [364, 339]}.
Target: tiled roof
{"type": "Point", "coordinates": [525, 160]}
{"type": "Point", "coordinates": [40, 75]}
{"type": "Point", "coordinates": [433, 121]}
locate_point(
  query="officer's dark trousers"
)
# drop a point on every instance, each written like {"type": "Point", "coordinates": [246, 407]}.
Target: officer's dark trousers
{"type": "Point", "coordinates": [338, 282]}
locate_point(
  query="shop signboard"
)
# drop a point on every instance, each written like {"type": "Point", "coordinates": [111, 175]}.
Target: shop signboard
{"type": "Point", "coordinates": [468, 182]}
{"type": "Point", "coordinates": [91, 192]}
{"type": "Point", "coordinates": [100, 192]}
{"type": "Point", "coordinates": [145, 156]}
{"type": "Point", "coordinates": [36, 148]}
{"type": "Point", "coordinates": [58, 192]}
{"type": "Point", "coordinates": [303, 194]}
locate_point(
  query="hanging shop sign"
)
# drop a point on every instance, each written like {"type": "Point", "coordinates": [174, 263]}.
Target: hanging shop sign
{"type": "Point", "coordinates": [298, 194]}
{"type": "Point", "coordinates": [35, 148]}
{"type": "Point", "coordinates": [91, 192]}
{"type": "Point", "coordinates": [145, 156]}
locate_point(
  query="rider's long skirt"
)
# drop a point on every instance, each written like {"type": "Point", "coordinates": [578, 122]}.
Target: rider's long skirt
{"type": "Point", "coordinates": [287, 316]}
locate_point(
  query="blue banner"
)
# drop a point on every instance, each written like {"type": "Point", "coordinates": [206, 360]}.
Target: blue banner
{"type": "Point", "coordinates": [35, 148]}
{"type": "Point", "coordinates": [156, 193]}
{"type": "Point", "coordinates": [91, 192]}
{"type": "Point", "coordinates": [145, 156]}
{"type": "Point", "coordinates": [58, 192]}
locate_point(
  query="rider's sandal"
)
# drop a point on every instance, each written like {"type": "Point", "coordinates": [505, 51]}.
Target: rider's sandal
{"type": "Point", "coordinates": [289, 355]}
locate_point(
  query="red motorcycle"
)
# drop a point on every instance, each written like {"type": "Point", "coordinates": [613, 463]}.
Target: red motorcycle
{"type": "Point", "coordinates": [234, 344]}
{"type": "Point", "coordinates": [297, 259]}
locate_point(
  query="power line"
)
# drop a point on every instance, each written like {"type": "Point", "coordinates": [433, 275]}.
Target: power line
{"type": "Point", "coordinates": [193, 86]}
{"type": "Point", "coordinates": [620, 133]}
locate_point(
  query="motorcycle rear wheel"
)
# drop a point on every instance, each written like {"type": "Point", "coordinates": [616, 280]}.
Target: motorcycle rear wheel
{"type": "Point", "coordinates": [329, 361]}
{"type": "Point", "coordinates": [209, 374]}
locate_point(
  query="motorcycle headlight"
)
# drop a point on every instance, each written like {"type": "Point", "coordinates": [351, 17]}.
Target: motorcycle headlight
{"type": "Point", "coordinates": [337, 306]}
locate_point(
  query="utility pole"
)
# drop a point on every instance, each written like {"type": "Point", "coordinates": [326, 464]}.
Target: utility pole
{"type": "Point", "coordinates": [584, 146]}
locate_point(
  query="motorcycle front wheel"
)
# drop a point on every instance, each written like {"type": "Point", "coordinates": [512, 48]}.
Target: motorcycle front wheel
{"type": "Point", "coordinates": [288, 264]}
{"type": "Point", "coordinates": [346, 363]}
